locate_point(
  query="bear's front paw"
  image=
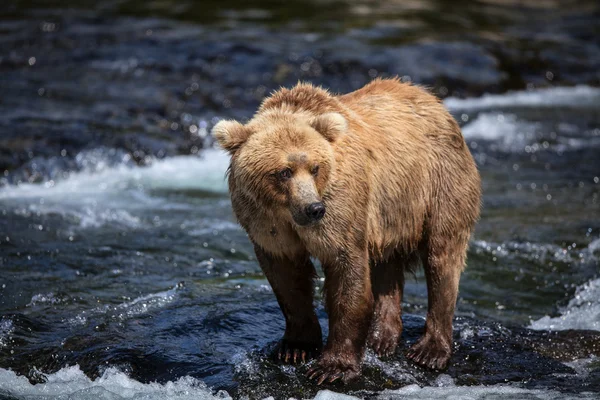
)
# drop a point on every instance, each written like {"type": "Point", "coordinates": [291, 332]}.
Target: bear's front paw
{"type": "Point", "coordinates": [329, 369]}
{"type": "Point", "coordinates": [290, 351]}
{"type": "Point", "coordinates": [431, 352]}
{"type": "Point", "coordinates": [384, 336]}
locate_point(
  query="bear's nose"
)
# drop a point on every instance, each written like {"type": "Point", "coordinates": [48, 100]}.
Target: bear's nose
{"type": "Point", "coordinates": [315, 211]}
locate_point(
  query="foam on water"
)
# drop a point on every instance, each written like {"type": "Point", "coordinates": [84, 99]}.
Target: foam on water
{"type": "Point", "coordinates": [206, 172]}
{"type": "Point", "coordinates": [502, 128]}
{"type": "Point", "coordinates": [477, 393]}
{"type": "Point", "coordinates": [539, 252]}
{"type": "Point", "coordinates": [72, 383]}
{"type": "Point", "coordinates": [508, 133]}
{"type": "Point", "coordinates": [104, 193]}
{"type": "Point", "coordinates": [582, 312]}
{"type": "Point", "coordinates": [446, 389]}
{"type": "Point", "coordinates": [580, 96]}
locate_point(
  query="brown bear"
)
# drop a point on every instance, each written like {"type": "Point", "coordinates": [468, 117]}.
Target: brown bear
{"type": "Point", "coordinates": [370, 183]}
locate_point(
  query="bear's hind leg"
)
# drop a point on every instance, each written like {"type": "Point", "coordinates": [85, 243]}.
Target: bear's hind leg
{"type": "Point", "coordinates": [443, 261]}
{"type": "Point", "coordinates": [387, 280]}
{"type": "Point", "coordinates": [293, 284]}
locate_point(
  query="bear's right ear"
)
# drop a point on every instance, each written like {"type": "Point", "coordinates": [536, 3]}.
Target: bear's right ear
{"type": "Point", "coordinates": [331, 125]}
{"type": "Point", "coordinates": [231, 135]}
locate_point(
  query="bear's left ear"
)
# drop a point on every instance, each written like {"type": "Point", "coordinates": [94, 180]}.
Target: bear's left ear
{"type": "Point", "coordinates": [330, 125]}
{"type": "Point", "coordinates": [231, 135]}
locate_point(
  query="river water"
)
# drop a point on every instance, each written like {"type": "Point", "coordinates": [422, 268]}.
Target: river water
{"type": "Point", "coordinates": [123, 273]}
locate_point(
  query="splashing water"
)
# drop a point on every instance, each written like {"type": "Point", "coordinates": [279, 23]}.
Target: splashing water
{"type": "Point", "coordinates": [582, 312]}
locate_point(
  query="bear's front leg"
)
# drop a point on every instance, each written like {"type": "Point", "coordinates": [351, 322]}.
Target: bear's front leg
{"type": "Point", "coordinates": [292, 282]}
{"type": "Point", "coordinates": [349, 302]}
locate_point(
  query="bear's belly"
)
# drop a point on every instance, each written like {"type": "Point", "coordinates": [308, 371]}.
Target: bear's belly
{"type": "Point", "coordinates": [384, 240]}
{"type": "Point", "coordinates": [396, 217]}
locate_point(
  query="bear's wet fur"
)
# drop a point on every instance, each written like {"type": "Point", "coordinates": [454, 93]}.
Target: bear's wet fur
{"type": "Point", "coordinates": [371, 183]}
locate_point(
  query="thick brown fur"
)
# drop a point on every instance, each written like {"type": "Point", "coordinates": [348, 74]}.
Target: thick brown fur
{"type": "Point", "coordinates": [398, 184]}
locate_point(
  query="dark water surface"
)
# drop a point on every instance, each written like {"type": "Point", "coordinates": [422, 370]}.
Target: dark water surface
{"type": "Point", "coordinates": [120, 261]}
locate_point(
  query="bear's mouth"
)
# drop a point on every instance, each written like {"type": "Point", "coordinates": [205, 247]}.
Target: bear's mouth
{"type": "Point", "coordinates": [304, 221]}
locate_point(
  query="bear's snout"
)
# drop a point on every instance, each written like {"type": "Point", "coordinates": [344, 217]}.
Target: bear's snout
{"type": "Point", "coordinates": [315, 211]}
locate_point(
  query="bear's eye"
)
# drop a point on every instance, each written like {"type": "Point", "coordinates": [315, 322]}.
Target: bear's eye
{"type": "Point", "coordinates": [315, 170]}
{"type": "Point", "coordinates": [285, 174]}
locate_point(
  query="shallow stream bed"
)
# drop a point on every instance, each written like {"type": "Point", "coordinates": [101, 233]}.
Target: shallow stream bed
{"type": "Point", "coordinates": [123, 273]}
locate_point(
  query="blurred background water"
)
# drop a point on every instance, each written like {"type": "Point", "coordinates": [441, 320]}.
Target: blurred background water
{"type": "Point", "coordinates": [123, 273]}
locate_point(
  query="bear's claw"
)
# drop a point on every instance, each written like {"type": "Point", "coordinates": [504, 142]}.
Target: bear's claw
{"type": "Point", "coordinates": [384, 348]}
{"type": "Point", "coordinates": [295, 352]}
{"type": "Point", "coordinates": [429, 353]}
{"type": "Point", "coordinates": [384, 339]}
{"type": "Point", "coordinates": [330, 372]}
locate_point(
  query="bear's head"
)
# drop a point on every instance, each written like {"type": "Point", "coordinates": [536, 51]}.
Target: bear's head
{"type": "Point", "coordinates": [283, 160]}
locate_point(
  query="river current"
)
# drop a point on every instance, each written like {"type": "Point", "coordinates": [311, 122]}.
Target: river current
{"type": "Point", "coordinates": [123, 273]}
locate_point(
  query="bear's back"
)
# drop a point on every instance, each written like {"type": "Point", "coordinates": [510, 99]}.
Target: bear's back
{"type": "Point", "coordinates": [412, 145]}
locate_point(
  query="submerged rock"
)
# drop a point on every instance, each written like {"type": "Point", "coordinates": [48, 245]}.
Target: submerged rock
{"type": "Point", "coordinates": [484, 354]}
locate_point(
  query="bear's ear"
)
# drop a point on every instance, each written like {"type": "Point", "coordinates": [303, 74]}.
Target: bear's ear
{"type": "Point", "coordinates": [330, 125]}
{"type": "Point", "coordinates": [231, 135]}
